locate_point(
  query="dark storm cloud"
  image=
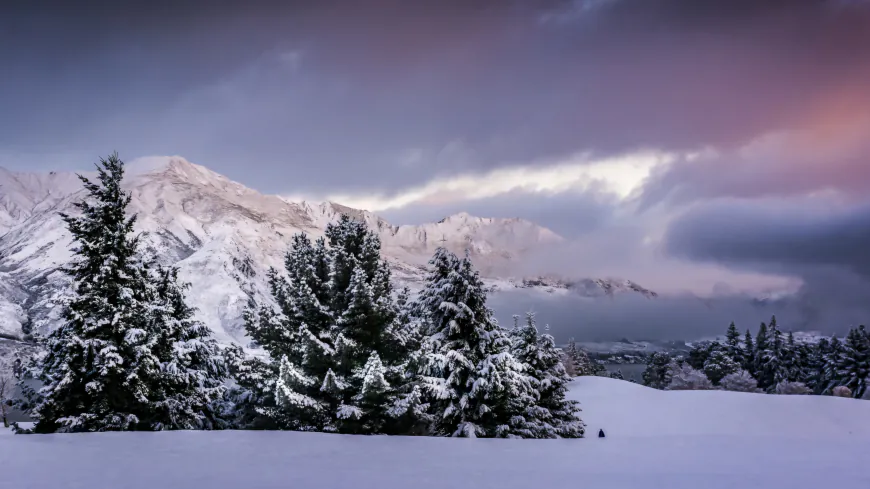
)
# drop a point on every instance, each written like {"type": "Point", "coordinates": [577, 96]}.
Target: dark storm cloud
{"type": "Point", "coordinates": [329, 96]}
{"type": "Point", "coordinates": [790, 238]}
{"type": "Point", "coordinates": [825, 247]}
{"type": "Point", "coordinates": [570, 214]}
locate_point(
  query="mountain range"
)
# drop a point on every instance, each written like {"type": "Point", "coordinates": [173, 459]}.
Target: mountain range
{"type": "Point", "coordinates": [224, 237]}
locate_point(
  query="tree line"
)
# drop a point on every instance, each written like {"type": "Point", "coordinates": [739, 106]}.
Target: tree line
{"type": "Point", "coordinates": [343, 351]}
{"type": "Point", "coordinates": [771, 362]}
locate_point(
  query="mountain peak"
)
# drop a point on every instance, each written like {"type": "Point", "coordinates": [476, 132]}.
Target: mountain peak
{"type": "Point", "coordinates": [461, 217]}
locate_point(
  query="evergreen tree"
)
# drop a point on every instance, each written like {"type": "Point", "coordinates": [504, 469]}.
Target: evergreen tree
{"type": "Point", "coordinates": [718, 365]}
{"type": "Point", "coordinates": [832, 359]}
{"type": "Point", "coordinates": [192, 365]}
{"type": "Point", "coordinates": [761, 346]}
{"type": "Point", "coordinates": [617, 375]}
{"type": "Point", "coordinates": [579, 359]}
{"type": "Point", "coordinates": [552, 415]}
{"type": "Point", "coordinates": [732, 343]}
{"type": "Point", "coordinates": [853, 364]}
{"type": "Point", "coordinates": [129, 356]}
{"type": "Point", "coordinates": [815, 366]}
{"type": "Point", "coordinates": [774, 365]}
{"type": "Point", "coordinates": [748, 353]}
{"type": "Point", "coordinates": [340, 351]}
{"type": "Point", "coordinates": [657, 373]}
{"type": "Point", "coordinates": [700, 352]}
{"type": "Point", "coordinates": [477, 386]}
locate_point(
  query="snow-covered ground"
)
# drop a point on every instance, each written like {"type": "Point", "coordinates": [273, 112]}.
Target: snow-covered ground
{"type": "Point", "coordinates": [655, 439]}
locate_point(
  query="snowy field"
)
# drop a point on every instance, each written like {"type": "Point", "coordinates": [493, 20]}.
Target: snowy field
{"type": "Point", "coordinates": [656, 439]}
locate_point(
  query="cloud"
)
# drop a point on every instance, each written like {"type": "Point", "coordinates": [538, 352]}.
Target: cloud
{"type": "Point", "coordinates": [466, 87]}
{"type": "Point", "coordinates": [822, 242]}
{"type": "Point", "coordinates": [619, 175]}
{"type": "Point", "coordinates": [785, 235]}
{"type": "Point", "coordinates": [828, 152]}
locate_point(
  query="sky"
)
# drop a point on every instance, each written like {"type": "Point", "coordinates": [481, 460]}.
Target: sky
{"type": "Point", "coordinates": [704, 146]}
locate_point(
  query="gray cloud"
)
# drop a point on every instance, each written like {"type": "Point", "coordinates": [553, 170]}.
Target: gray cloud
{"type": "Point", "coordinates": [796, 237]}
{"type": "Point", "coordinates": [376, 79]}
{"type": "Point", "coordinates": [825, 247]}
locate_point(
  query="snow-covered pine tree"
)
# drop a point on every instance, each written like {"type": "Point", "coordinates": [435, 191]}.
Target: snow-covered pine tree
{"type": "Point", "coordinates": [579, 359]}
{"type": "Point", "coordinates": [815, 369]}
{"type": "Point", "coordinates": [790, 360]}
{"type": "Point", "coordinates": [700, 352]}
{"type": "Point", "coordinates": [295, 334]}
{"type": "Point", "coordinates": [657, 373]}
{"type": "Point", "coordinates": [343, 358]}
{"type": "Point", "coordinates": [740, 381]}
{"type": "Point", "coordinates": [718, 365]}
{"type": "Point", "coordinates": [732, 343]}
{"type": "Point", "coordinates": [551, 415]}
{"type": "Point", "coordinates": [774, 366]}
{"type": "Point", "coordinates": [761, 346]}
{"type": "Point", "coordinates": [192, 366]}
{"type": "Point", "coordinates": [832, 360]}
{"type": "Point", "coordinates": [98, 368]}
{"type": "Point", "coordinates": [477, 387]}
{"type": "Point", "coordinates": [617, 375]}
{"type": "Point", "coordinates": [853, 365]}
{"type": "Point", "coordinates": [748, 353]}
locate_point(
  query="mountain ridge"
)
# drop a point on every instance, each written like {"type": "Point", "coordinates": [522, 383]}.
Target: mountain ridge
{"type": "Point", "coordinates": [224, 236]}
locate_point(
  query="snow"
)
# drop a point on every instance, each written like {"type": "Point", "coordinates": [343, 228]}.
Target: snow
{"type": "Point", "coordinates": [655, 439]}
{"type": "Point", "coordinates": [222, 235]}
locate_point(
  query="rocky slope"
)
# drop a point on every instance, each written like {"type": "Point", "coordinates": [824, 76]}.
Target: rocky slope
{"type": "Point", "coordinates": [224, 236]}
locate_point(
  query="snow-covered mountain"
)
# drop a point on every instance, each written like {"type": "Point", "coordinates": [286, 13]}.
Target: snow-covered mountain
{"type": "Point", "coordinates": [224, 236]}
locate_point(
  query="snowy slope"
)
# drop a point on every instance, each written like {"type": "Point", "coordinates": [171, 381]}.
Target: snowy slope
{"type": "Point", "coordinates": [222, 235]}
{"type": "Point", "coordinates": [626, 409]}
{"type": "Point", "coordinates": [669, 440]}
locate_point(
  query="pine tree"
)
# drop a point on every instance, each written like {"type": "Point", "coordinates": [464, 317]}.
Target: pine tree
{"type": "Point", "coordinates": [718, 365]}
{"type": "Point", "coordinates": [774, 365]}
{"type": "Point", "coordinates": [193, 368]}
{"type": "Point", "coordinates": [551, 415]}
{"type": "Point", "coordinates": [761, 346]}
{"type": "Point", "coordinates": [657, 374]}
{"type": "Point", "coordinates": [617, 375]}
{"type": "Point", "coordinates": [579, 359]}
{"type": "Point", "coordinates": [832, 361]}
{"type": "Point", "coordinates": [732, 343]}
{"type": "Point", "coordinates": [853, 364]}
{"type": "Point", "coordinates": [106, 368]}
{"type": "Point", "coordinates": [477, 386]}
{"type": "Point", "coordinates": [815, 369]}
{"type": "Point", "coordinates": [748, 353]}
{"type": "Point", "coordinates": [700, 352]}
{"type": "Point", "coordinates": [338, 344]}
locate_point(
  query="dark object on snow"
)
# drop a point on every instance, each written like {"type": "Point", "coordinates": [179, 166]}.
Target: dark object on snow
{"type": "Point", "coordinates": [600, 433]}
